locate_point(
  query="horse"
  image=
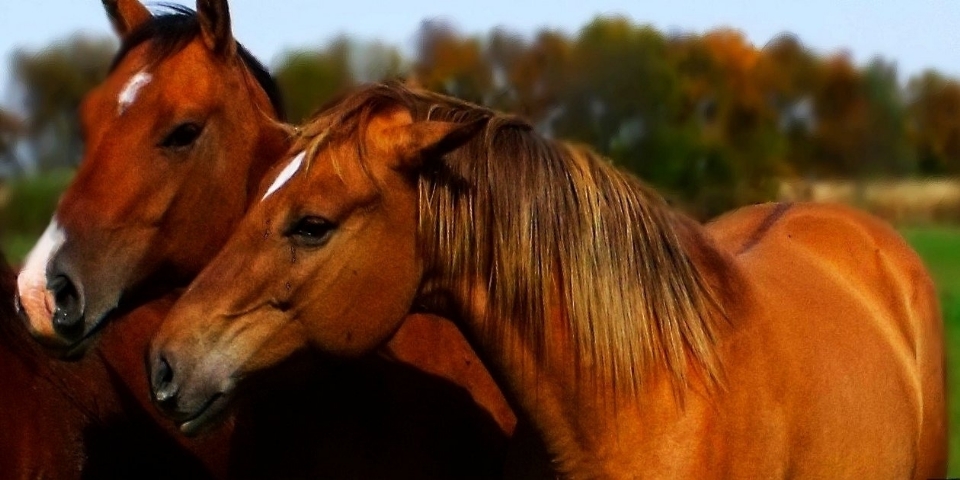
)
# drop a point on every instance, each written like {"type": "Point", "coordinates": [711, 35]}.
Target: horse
{"type": "Point", "coordinates": [184, 119]}
{"type": "Point", "coordinates": [780, 340]}
{"type": "Point", "coordinates": [178, 138]}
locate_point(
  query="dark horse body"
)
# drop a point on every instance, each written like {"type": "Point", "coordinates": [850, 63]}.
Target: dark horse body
{"type": "Point", "coordinates": [86, 419]}
{"type": "Point", "coordinates": [93, 418]}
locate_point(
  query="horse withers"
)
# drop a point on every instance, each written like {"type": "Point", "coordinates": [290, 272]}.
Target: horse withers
{"type": "Point", "coordinates": [780, 340]}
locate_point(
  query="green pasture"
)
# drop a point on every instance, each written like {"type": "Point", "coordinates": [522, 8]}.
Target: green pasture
{"type": "Point", "coordinates": [940, 249]}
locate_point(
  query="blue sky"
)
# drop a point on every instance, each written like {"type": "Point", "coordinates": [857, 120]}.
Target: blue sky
{"type": "Point", "coordinates": [917, 34]}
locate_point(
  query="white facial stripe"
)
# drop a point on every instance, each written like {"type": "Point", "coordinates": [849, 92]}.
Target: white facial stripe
{"type": "Point", "coordinates": [285, 175]}
{"type": "Point", "coordinates": [35, 299]}
{"type": "Point", "coordinates": [128, 94]}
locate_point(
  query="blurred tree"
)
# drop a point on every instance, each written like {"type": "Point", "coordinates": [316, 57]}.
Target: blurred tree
{"type": "Point", "coordinates": [375, 61]}
{"type": "Point", "coordinates": [840, 107]}
{"type": "Point", "coordinates": [621, 94]}
{"type": "Point", "coordinates": [710, 119]}
{"type": "Point", "coordinates": [538, 75]}
{"type": "Point", "coordinates": [504, 51]}
{"type": "Point", "coordinates": [888, 151]}
{"type": "Point", "coordinates": [934, 109]}
{"type": "Point", "coordinates": [787, 75]}
{"type": "Point", "coordinates": [450, 63]}
{"type": "Point", "coordinates": [747, 122]}
{"type": "Point", "coordinates": [861, 121]}
{"type": "Point", "coordinates": [11, 129]}
{"type": "Point", "coordinates": [308, 78]}
{"type": "Point", "coordinates": [740, 146]}
{"type": "Point", "coordinates": [53, 81]}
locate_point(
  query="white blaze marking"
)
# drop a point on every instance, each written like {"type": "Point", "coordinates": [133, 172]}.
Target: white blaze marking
{"type": "Point", "coordinates": [35, 299]}
{"type": "Point", "coordinates": [128, 94]}
{"type": "Point", "coordinates": [285, 175]}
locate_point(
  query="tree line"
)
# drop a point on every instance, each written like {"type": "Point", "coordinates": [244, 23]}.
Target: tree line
{"type": "Point", "coordinates": [711, 119]}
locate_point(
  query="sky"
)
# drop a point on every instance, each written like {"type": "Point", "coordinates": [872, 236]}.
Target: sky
{"type": "Point", "coordinates": [916, 34]}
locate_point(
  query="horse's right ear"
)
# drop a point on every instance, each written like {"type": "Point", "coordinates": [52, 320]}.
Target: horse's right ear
{"type": "Point", "coordinates": [421, 141]}
{"type": "Point", "coordinates": [126, 15]}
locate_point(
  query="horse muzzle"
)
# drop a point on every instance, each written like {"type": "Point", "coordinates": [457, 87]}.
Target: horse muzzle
{"type": "Point", "coordinates": [53, 305]}
{"type": "Point", "coordinates": [185, 397]}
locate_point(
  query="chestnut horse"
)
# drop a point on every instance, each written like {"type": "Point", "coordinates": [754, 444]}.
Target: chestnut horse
{"type": "Point", "coordinates": [780, 340]}
{"type": "Point", "coordinates": [178, 138]}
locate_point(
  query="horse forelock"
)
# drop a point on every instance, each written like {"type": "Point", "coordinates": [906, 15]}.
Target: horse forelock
{"type": "Point", "coordinates": [347, 116]}
{"type": "Point", "coordinates": [175, 26]}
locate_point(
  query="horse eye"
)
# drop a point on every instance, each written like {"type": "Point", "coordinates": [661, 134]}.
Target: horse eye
{"type": "Point", "coordinates": [182, 136]}
{"type": "Point", "coordinates": [311, 231]}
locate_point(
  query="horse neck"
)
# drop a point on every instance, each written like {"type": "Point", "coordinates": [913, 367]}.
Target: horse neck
{"type": "Point", "coordinates": [69, 393]}
{"type": "Point", "coordinates": [582, 419]}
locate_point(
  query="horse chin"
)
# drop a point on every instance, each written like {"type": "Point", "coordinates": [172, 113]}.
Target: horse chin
{"type": "Point", "coordinates": [207, 416]}
{"type": "Point", "coordinates": [55, 346]}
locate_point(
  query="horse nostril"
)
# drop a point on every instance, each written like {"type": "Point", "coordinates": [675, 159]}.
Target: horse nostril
{"type": "Point", "coordinates": [164, 388]}
{"type": "Point", "coordinates": [68, 315]}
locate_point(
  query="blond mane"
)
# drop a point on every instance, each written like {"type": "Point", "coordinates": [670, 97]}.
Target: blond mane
{"type": "Point", "coordinates": [553, 228]}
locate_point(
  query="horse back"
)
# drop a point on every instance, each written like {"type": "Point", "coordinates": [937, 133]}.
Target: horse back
{"type": "Point", "coordinates": [846, 325]}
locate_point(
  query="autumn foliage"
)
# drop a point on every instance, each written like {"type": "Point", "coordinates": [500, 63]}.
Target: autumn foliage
{"type": "Point", "coordinates": [713, 120]}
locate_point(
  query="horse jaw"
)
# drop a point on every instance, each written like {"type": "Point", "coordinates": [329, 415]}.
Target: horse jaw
{"type": "Point", "coordinates": [36, 300]}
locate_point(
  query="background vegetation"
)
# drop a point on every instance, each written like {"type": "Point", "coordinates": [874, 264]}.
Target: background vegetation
{"type": "Point", "coordinates": [711, 120]}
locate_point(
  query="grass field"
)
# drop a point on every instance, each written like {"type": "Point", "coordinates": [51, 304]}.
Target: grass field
{"type": "Point", "coordinates": [940, 249]}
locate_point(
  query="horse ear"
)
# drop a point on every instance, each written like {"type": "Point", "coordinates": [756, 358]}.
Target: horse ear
{"type": "Point", "coordinates": [126, 15]}
{"type": "Point", "coordinates": [214, 17]}
{"type": "Point", "coordinates": [422, 141]}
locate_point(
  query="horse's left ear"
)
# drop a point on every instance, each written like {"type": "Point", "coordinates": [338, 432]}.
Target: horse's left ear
{"type": "Point", "coordinates": [214, 17]}
{"type": "Point", "coordinates": [126, 15]}
{"type": "Point", "coordinates": [421, 141]}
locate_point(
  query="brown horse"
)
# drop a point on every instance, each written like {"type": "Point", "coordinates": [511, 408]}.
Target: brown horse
{"type": "Point", "coordinates": [161, 204]}
{"type": "Point", "coordinates": [780, 340]}
{"type": "Point", "coordinates": [184, 120]}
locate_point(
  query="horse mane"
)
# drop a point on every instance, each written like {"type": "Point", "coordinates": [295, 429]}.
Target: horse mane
{"type": "Point", "coordinates": [172, 29]}
{"type": "Point", "coordinates": [559, 235]}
